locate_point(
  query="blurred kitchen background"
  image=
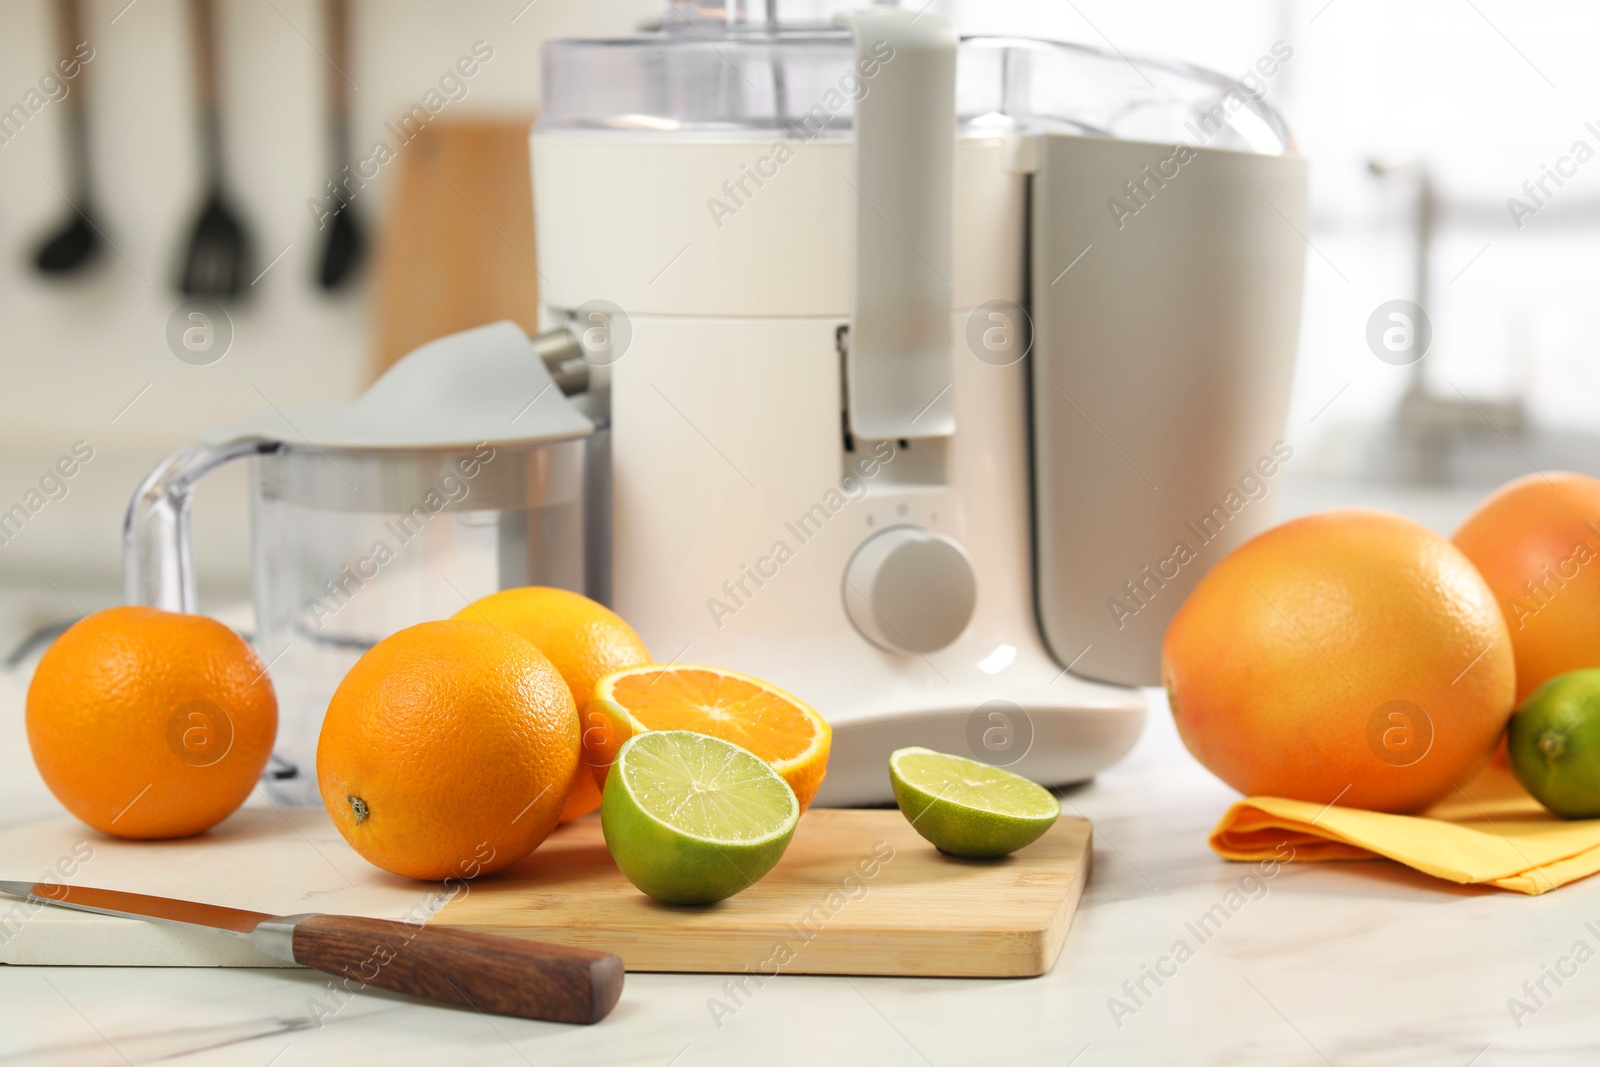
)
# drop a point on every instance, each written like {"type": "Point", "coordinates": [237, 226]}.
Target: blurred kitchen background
{"type": "Point", "coordinates": [1420, 121]}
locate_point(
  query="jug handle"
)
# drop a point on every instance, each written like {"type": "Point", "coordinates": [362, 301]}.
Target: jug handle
{"type": "Point", "coordinates": [157, 549]}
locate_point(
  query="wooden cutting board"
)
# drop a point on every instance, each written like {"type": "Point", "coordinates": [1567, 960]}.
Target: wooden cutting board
{"type": "Point", "coordinates": [857, 892]}
{"type": "Point", "coordinates": [457, 247]}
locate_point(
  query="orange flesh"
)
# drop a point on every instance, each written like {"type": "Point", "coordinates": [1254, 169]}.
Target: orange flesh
{"type": "Point", "coordinates": [730, 708]}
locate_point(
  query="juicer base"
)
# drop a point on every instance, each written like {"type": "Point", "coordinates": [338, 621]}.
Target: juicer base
{"type": "Point", "coordinates": [1050, 744]}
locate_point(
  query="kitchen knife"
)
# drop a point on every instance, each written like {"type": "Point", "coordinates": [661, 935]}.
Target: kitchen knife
{"type": "Point", "coordinates": [503, 975]}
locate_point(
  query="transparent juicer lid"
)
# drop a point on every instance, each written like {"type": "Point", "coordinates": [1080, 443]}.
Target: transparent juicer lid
{"type": "Point", "coordinates": [739, 70]}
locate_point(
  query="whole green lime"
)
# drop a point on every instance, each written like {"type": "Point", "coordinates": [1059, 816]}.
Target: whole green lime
{"type": "Point", "coordinates": [693, 819]}
{"type": "Point", "coordinates": [1554, 744]}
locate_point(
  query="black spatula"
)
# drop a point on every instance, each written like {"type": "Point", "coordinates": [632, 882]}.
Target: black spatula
{"type": "Point", "coordinates": [344, 241]}
{"type": "Point", "coordinates": [77, 243]}
{"type": "Point", "coordinates": [220, 253]}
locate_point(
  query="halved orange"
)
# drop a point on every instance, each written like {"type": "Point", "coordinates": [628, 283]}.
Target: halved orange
{"type": "Point", "coordinates": [753, 714]}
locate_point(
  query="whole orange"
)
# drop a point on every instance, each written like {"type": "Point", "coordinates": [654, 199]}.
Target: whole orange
{"type": "Point", "coordinates": [1350, 656]}
{"type": "Point", "coordinates": [149, 724]}
{"type": "Point", "coordinates": [584, 639]}
{"type": "Point", "coordinates": [447, 750]}
{"type": "Point", "coordinates": [1536, 541]}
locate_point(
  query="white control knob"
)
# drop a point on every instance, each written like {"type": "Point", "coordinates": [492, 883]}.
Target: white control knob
{"type": "Point", "coordinates": [910, 590]}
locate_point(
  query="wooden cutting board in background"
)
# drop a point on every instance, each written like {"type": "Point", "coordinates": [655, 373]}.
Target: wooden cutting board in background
{"type": "Point", "coordinates": [857, 892]}
{"type": "Point", "coordinates": [457, 249]}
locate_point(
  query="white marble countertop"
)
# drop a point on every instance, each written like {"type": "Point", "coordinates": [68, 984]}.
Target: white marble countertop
{"type": "Point", "coordinates": [1357, 963]}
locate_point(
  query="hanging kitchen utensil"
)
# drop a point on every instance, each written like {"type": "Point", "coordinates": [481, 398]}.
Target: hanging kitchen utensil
{"type": "Point", "coordinates": [345, 242]}
{"type": "Point", "coordinates": [77, 243]}
{"type": "Point", "coordinates": [220, 249]}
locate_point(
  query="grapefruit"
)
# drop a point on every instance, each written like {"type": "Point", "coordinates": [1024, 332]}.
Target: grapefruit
{"type": "Point", "coordinates": [1536, 541]}
{"type": "Point", "coordinates": [1350, 656]}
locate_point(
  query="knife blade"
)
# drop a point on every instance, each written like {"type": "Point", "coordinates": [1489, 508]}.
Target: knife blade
{"type": "Point", "coordinates": [493, 974]}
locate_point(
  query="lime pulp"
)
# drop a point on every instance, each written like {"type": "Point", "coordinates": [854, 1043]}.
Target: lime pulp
{"type": "Point", "coordinates": [968, 808]}
{"type": "Point", "coordinates": [693, 819]}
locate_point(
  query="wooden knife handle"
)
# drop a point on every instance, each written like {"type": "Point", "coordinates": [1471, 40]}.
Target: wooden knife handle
{"type": "Point", "coordinates": [499, 975]}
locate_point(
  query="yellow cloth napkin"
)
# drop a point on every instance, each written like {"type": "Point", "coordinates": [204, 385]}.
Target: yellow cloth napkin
{"type": "Point", "coordinates": [1490, 833]}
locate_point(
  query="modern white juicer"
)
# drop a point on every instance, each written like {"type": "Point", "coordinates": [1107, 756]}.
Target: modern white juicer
{"type": "Point", "coordinates": [921, 376]}
{"type": "Point", "coordinates": [921, 358]}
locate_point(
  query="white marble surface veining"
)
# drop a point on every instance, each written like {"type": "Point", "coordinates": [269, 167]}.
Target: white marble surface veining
{"type": "Point", "coordinates": [1354, 963]}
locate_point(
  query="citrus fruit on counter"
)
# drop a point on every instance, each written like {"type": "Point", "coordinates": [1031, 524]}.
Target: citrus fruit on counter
{"type": "Point", "coordinates": [584, 639]}
{"type": "Point", "coordinates": [967, 808]}
{"type": "Point", "coordinates": [1536, 541]}
{"type": "Point", "coordinates": [583, 795]}
{"type": "Point", "coordinates": [1351, 655]}
{"type": "Point", "coordinates": [447, 750]}
{"type": "Point", "coordinates": [760, 717]}
{"type": "Point", "coordinates": [1554, 744]}
{"type": "Point", "coordinates": [694, 819]}
{"type": "Point", "coordinates": [150, 724]}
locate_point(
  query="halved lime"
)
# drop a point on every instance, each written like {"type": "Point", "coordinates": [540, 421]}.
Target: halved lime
{"type": "Point", "coordinates": [693, 819]}
{"type": "Point", "coordinates": [967, 808]}
{"type": "Point", "coordinates": [1554, 744]}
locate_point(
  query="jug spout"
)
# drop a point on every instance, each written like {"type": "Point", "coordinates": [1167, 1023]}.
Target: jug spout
{"type": "Point", "coordinates": [157, 554]}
